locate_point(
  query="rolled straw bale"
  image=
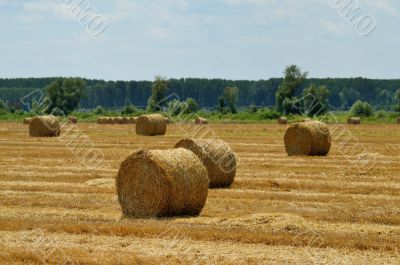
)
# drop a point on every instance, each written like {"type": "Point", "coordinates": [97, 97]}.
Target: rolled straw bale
{"type": "Point", "coordinates": [124, 120]}
{"type": "Point", "coordinates": [162, 183]}
{"type": "Point", "coordinates": [132, 120]}
{"type": "Point", "coordinates": [216, 156]}
{"type": "Point", "coordinates": [151, 125]}
{"type": "Point", "coordinates": [354, 120]}
{"type": "Point", "coordinates": [282, 121]}
{"type": "Point", "coordinates": [167, 120]}
{"type": "Point", "coordinates": [72, 119]}
{"type": "Point", "coordinates": [44, 126]}
{"type": "Point", "coordinates": [200, 121]}
{"type": "Point", "coordinates": [101, 120]}
{"type": "Point", "coordinates": [310, 138]}
{"type": "Point", "coordinates": [26, 120]}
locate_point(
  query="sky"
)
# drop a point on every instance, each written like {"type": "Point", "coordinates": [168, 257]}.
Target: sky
{"type": "Point", "coordinates": [232, 39]}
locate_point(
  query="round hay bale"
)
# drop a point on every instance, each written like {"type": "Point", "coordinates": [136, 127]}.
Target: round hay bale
{"type": "Point", "coordinates": [167, 120]}
{"type": "Point", "coordinates": [132, 120]}
{"type": "Point", "coordinates": [354, 121]}
{"type": "Point", "coordinates": [216, 156]}
{"type": "Point", "coordinates": [200, 121]}
{"type": "Point", "coordinates": [310, 138]}
{"type": "Point", "coordinates": [101, 120]}
{"type": "Point", "coordinates": [72, 119]}
{"type": "Point", "coordinates": [124, 120]}
{"type": "Point", "coordinates": [26, 120]}
{"type": "Point", "coordinates": [151, 125]}
{"type": "Point", "coordinates": [162, 183]}
{"type": "Point", "coordinates": [44, 126]}
{"type": "Point", "coordinates": [282, 121]}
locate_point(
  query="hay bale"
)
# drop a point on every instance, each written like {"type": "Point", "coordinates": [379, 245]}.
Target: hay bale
{"type": "Point", "coordinates": [132, 120]}
{"type": "Point", "coordinates": [354, 121]}
{"type": "Point", "coordinates": [26, 120]}
{"type": "Point", "coordinates": [124, 120]}
{"type": "Point", "coordinates": [44, 126]}
{"type": "Point", "coordinates": [398, 120]}
{"type": "Point", "coordinates": [310, 138]}
{"type": "Point", "coordinates": [162, 183]}
{"type": "Point", "coordinates": [103, 120]}
{"type": "Point", "coordinates": [200, 121]}
{"type": "Point", "coordinates": [216, 156]}
{"type": "Point", "coordinates": [282, 121]}
{"type": "Point", "coordinates": [72, 119]}
{"type": "Point", "coordinates": [167, 120]}
{"type": "Point", "coordinates": [151, 125]}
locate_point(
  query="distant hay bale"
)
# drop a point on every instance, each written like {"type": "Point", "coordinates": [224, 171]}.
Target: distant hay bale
{"type": "Point", "coordinates": [162, 183]}
{"type": "Point", "coordinates": [216, 156]}
{"type": "Point", "coordinates": [398, 120]}
{"type": "Point", "coordinates": [101, 120]}
{"type": "Point", "coordinates": [310, 138]}
{"type": "Point", "coordinates": [354, 120]}
{"type": "Point", "coordinates": [72, 119]}
{"type": "Point", "coordinates": [132, 120]}
{"type": "Point", "coordinates": [200, 121]}
{"type": "Point", "coordinates": [282, 121]}
{"type": "Point", "coordinates": [151, 125]}
{"type": "Point", "coordinates": [167, 120]}
{"type": "Point", "coordinates": [26, 120]}
{"type": "Point", "coordinates": [44, 126]}
{"type": "Point", "coordinates": [124, 120]}
{"type": "Point", "coordinates": [117, 120]}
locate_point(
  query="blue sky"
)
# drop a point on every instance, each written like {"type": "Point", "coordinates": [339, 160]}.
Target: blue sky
{"type": "Point", "coordinates": [235, 39]}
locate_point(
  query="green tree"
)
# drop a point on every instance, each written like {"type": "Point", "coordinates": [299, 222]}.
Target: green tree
{"type": "Point", "coordinates": [158, 90]}
{"type": "Point", "coordinates": [397, 101]}
{"type": "Point", "coordinates": [385, 99]}
{"type": "Point", "coordinates": [315, 100]}
{"type": "Point", "coordinates": [348, 97]}
{"type": "Point", "coordinates": [292, 81]}
{"type": "Point", "coordinates": [231, 96]}
{"type": "Point", "coordinates": [191, 106]}
{"type": "Point", "coordinates": [361, 108]}
{"type": "Point", "coordinates": [65, 94]}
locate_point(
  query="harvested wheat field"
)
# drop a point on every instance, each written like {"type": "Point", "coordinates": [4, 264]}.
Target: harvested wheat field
{"type": "Point", "coordinates": [54, 209]}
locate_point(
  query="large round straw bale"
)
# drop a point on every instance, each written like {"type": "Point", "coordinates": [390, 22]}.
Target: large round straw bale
{"type": "Point", "coordinates": [101, 120]}
{"type": "Point", "coordinates": [26, 120]}
{"type": "Point", "coordinates": [132, 120]}
{"type": "Point", "coordinates": [162, 183]}
{"type": "Point", "coordinates": [282, 121]}
{"type": "Point", "coordinates": [151, 125]}
{"type": "Point", "coordinates": [216, 156]}
{"type": "Point", "coordinates": [200, 121]}
{"type": "Point", "coordinates": [72, 119]}
{"type": "Point", "coordinates": [354, 120]}
{"type": "Point", "coordinates": [44, 126]}
{"type": "Point", "coordinates": [310, 138]}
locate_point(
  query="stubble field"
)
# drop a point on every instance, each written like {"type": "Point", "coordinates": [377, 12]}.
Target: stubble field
{"type": "Point", "coordinates": [280, 210]}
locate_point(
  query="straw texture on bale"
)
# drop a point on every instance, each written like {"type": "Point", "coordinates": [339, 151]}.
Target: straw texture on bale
{"type": "Point", "coordinates": [200, 121]}
{"type": "Point", "coordinates": [151, 125]}
{"type": "Point", "coordinates": [216, 156]}
{"type": "Point", "coordinates": [354, 120]}
{"type": "Point", "coordinates": [26, 120]}
{"type": "Point", "coordinates": [310, 138]}
{"type": "Point", "coordinates": [72, 119]}
{"type": "Point", "coordinates": [44, 126]}
{"type": "Point", "coordinates": [282, 121]}
{"type": "Point", "coordinates": [162, 183]}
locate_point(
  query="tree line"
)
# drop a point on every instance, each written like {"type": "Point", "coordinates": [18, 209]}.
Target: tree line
{"type": "Point", "coordinates": [340, 93]}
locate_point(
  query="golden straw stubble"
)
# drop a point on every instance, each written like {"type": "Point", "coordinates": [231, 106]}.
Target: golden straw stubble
{"type": "Point", "coordinates": [155, 183]}
{"type": "Point", "coordinates": [217, 157]}
{"type": "Point", "coordinates": [44, 126]}
{"type": "Point", "coordinates": [311, 138]}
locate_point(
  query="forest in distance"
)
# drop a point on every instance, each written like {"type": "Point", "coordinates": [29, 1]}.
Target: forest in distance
{"type": "Point", "coordinates": [113, 94]}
